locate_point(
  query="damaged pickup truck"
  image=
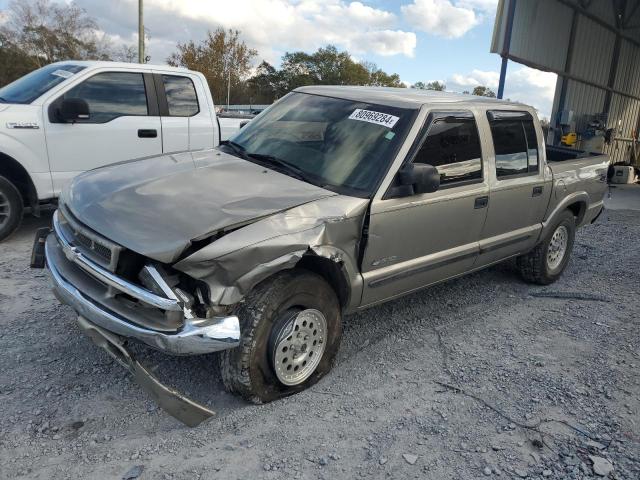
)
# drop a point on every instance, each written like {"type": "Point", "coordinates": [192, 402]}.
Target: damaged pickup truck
{"type": "Point", "coordinates": [332, 200]}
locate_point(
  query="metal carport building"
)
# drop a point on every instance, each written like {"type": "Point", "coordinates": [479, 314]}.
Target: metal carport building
{"type": "Point", "coordinates": [594, 47]}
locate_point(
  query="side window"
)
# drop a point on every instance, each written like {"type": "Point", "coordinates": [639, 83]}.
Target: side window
{"type": "Point", "coordinates": [515, 143]}
{"type": "Point", "coordinates": [181, 96]}
{"type": "Point", "coordinates": [111, 95]}
{"type": "Point", "coordinates": [452, 146]}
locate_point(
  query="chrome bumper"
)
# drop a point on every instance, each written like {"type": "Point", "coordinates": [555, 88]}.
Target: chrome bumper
{"type": "Point", "coordinates": [196, 336]}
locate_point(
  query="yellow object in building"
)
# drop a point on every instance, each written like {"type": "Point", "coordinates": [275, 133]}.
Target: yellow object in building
{"type": "Point", "coordinates": [570, 139]}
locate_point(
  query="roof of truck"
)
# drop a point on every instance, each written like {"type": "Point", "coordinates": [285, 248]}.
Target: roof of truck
{"type": "Point", "coordinates": [137, 66]}
{"type": "Point", "coordinates": [402, 97]}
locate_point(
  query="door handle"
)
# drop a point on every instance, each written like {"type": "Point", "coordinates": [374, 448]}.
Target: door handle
{"type": "Point", "coordinates": [537, 191]}
{"type": "Point", "coordinates": [147, 133]}
{"type": "Point", "coordinates": [481, 202]}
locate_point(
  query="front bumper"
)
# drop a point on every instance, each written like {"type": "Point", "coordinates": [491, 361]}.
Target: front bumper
{"type": "Point", "coordinates": [196, 336]}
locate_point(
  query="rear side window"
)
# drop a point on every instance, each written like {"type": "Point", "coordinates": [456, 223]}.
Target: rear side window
{"type": "Point", "coordinates": [515, 143]}
{"type": "Point", "coordinates": [181, 96]}
{"type": "Point", "coordinates": [452, 145]}
{"type": "Point", "coordinates": [111, 95]}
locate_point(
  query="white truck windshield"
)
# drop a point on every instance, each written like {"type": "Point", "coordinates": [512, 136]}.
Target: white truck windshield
{"type": "Point", "coordinates": [338, 144]}
{"type": "Point", "coordinates": [26, 89]}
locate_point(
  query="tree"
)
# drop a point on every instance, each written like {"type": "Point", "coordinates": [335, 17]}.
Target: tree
{"type": "Point", "coordinates": [15, 62]}
{"type": "Point", "coordinates": [435, 85]}
{"type": "Point", "coordinates": [266, 85]}
{"type": "Point", "coordinates": [222, 58]}
{"type": "Point", "coordinates": [483, 91]}
{"type": "Point", "coordinates": [126, 53]}
{"type": "Point", "coordinates": [48, 31]}
{"type": "Point", "coordinates": [379, 78]}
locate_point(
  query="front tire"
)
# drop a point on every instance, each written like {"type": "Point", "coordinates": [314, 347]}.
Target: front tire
{"type": "Point", "coordinates": [291, 326]}
{"type": "Point", "coordinates": [11, 208]}
{"type": "Point", "coordinates": [546, 262]}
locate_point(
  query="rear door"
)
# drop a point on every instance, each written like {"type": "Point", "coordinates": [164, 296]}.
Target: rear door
{"type": "Point", "coordinates": [519, 192]}
{"type": "Point", "coordinates": [418, 239]}
{"type": "Point", "coordinates": [123, 124]}
{"type": "Point", "coordinates": [185, 116]}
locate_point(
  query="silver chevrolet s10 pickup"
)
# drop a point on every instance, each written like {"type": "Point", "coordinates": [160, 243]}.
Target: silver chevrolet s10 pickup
{"type": "Point", "coordinates": [332, 200]}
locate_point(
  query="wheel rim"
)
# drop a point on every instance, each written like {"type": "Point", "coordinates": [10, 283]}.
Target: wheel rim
{"type": "Point", "coordinates": [557, 247]}
{"type": "Point", "coordinates": [5, 209]}
{"type": "Point", "coordinates": [299, 346]}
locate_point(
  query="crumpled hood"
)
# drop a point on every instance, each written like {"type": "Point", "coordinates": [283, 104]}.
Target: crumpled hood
{"type": "Point", "coordinates": [157, 206]}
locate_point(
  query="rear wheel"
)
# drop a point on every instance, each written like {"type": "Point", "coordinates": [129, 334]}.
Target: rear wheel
{"type": "Point", "coordinates": [546, 262]}
{"type": "Point", "coordinates": [11, 208]}
{"type": "Point", "coordinates": [291, 327]}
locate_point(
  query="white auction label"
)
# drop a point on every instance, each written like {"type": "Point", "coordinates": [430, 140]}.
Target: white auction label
{"type": "Point", "coordinates": [370, 116]}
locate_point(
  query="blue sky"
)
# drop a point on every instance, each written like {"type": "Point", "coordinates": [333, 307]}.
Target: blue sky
{"type": "Point", "coordinates": [421, 40]}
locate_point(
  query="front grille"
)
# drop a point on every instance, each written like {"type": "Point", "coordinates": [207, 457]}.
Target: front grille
{"type": "Point", "coordinates": [91, 244]}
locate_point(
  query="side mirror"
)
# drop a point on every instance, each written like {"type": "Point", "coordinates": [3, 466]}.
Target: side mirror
{"type": "Point", "coordinates": [422, 177]}
{"type": "Point", "coordinates": [243, 123]}
{"type": "Point", "coordinates": [73, 109]}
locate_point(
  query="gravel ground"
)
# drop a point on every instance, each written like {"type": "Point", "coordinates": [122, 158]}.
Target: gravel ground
{"type": "Point", "coordinates": [479, 377]}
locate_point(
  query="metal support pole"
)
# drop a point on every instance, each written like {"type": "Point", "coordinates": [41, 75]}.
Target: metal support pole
{"type": "Point", "coordinates": [506, 45]}
{"type": "Point", "coordinates": [503, 76]}
{"type": "Point", "coordinates": [229, 88]}
{"type": "Point", "coordinates": [140, 33]}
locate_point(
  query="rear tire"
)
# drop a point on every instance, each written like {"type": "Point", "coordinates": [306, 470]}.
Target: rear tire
{"type": "Point", "coordinates": [11, 208]}
{"type": "Point", "coordinates": [546, 262]}
{"type": "Point", "coordinates": [268, 316]}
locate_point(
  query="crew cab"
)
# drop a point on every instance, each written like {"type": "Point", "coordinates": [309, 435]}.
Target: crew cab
{"type": "Point", "coordinates": [69, 117]}
{"type": "Point", "coordinates": [333, 200]}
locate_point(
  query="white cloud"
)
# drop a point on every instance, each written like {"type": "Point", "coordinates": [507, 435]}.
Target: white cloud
{"type": "Point", "coordinates": [475, 78]}
{"type": "Point", "coordinates": [447, 18]}
{"type": "Point", "coordinates": [523, 84]}
{"type": "Point", "coordinates": [270, 26]}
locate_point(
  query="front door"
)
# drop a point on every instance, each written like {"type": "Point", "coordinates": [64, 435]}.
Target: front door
{"type": "Point", "coordinates": [123, 125]}
{"type": "Point", "coordinates": [519, 189]}
{"type": "Point", "coordinates": [417, 240]}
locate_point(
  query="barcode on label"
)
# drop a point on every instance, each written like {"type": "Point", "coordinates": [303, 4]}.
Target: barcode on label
{"type": "Point", "coordinates": [370, 116]}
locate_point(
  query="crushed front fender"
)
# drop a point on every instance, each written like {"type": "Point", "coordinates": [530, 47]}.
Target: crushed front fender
{"type": "Point", "coordinates": [234, 264]}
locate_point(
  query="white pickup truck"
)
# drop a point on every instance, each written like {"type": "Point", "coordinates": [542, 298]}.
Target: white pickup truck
{"type": "Point", "coordinates": [69, 117]}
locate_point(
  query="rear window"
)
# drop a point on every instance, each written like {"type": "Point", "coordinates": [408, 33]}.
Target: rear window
{"type": "Point", "coordinates": [515, 143]}
{"type": "Point", "coordinates": [181, 96]}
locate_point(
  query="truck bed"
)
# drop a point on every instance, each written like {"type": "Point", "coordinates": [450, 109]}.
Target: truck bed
{"type": "Point", "coordinates": [578, 171]}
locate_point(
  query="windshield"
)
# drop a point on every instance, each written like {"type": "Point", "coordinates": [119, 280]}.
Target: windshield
{"type": "Point", "coordinates": [26, 89]}
{"type": "Point", "coordinates": [337, 144]}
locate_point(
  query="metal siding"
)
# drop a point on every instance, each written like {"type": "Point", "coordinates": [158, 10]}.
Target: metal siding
{"type": "Point", "coordinates": [540, 39]}
{"type": "Point", "coordinates": [623, 118]}
{"type": "Point", "coordinates": [585, 101]}
{"type": "Point", "coordinates": [542, 36]}
{"type": "Point", "coordinates": [628, 74]}
{"type": "Point", "coordinates": [592, 53]}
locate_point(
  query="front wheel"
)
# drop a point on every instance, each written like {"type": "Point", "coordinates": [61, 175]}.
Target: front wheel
{"type": "Point", "coordinates": [291, 326]}
{"type": "Point", "coordinates": [546, 262]}
{"type": "Point", "coordinates": [11, 208]}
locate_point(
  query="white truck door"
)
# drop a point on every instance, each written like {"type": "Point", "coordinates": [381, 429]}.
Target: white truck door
{"type": "Point", "coordinates": [123, 124]}
{"type": "Point", "coordinates": [184, 113]}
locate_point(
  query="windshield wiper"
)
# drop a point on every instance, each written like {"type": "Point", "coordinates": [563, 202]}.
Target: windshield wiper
{"type": "Point", "coordinates": [3, 100]}
{"type": "Point", "coordinates": [280, 164]}
{"type": "Point", "coordinates": [238, 149]}
{"type": "Point", "coordinates": [268, 160]}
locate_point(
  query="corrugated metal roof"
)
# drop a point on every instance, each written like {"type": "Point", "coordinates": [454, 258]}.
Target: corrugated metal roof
{"type": "Point", "coordinates": [546, 22]}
